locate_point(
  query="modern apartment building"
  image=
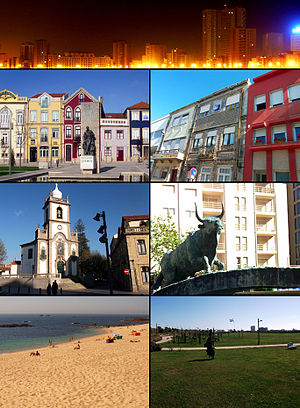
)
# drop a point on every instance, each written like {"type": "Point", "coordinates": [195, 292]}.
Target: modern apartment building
{"type": "Point", "coordinates": [217, 26]}
{"type": "Point", "coordinates": [294, 221]}
{"type": "Point", "coordinates": [45, 127]}
{"type": "Point", "coordinates": [272, 146]}
{"type": "Point", "coordinates": [13, 116]}
{"type": "Point", "coordinates": [216, 146]}
{"type": "Point", "coordinates": [256, 218]}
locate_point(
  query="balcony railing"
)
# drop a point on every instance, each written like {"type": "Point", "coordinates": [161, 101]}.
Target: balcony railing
{"type": "Point", "coordinates": [265, 208]}
{"type": "Point", "coordinates": [212, 204]}
{"type": "Point", "coordinates": [265, 228]}
{"type": "Point", "coordinates": [213, 186]}
{"type": "Point", "coordinates": [170, 153]}
{"type": "Point", "coordinates": [265, 248]}
{"type": "Point", "coordinates": [268, 190]}
{"type": "Point", "coordinates": [132, 230]}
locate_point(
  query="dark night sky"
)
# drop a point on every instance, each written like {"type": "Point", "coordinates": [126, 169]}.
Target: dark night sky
{"type": "Point", "coordinates": [83, 26]}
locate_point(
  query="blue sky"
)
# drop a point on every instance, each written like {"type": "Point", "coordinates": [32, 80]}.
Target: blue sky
{"type": "Point", "coordinates": [21, 209]}
{"type": "Point", "coordinates": [215, 311]}
{"type": "Point", "coordinates": [173, 89]}
{"type": "Point", "coordinates": [119, 88]}
{"type": "Point", "coordinates": [75, 304]}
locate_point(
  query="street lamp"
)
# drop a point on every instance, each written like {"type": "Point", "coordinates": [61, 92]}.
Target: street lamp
{"type": "Point", "coordinates": [104, 240]}
{"type": "Point", "coordinates": [258, 332]}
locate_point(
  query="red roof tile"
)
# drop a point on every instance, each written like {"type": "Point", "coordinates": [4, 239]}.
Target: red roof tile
{"type": "Point", "coordinates": [54, 95]}
{"type": "Point", "coordinates": [140, 105]}
{"type": "Point", "coordinates": [136, 217]}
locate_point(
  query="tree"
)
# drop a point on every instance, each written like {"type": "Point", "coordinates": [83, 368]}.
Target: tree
{"type": "Point", "coordinates": [12, 155]}
{"type": "Point", "coordinates": [2, 252]}
{"type": "Point", "coordinates": [94, 269]}
{"type": "Point", "coordinates": [84, 249]}
{"type": "Point", "coordinates": [164, 238]}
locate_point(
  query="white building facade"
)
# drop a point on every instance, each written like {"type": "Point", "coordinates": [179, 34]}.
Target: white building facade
{"type": "Point", "coordinates": [256, 231]}
{"type": "Point", "coordinates": [54, 251]}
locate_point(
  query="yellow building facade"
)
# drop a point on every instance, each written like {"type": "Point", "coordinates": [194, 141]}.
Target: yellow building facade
{"type": "Point", "coordinates": [13, 112]}
{"type": "Point", "coordinates": [45, 124]}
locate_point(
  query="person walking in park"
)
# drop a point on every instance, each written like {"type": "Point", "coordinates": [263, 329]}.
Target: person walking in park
{"type": "Point", "coordinates": [209, 344]}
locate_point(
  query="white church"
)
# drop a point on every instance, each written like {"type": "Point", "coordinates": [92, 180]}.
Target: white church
{"type": "Point", "coordinates": [54, 251]}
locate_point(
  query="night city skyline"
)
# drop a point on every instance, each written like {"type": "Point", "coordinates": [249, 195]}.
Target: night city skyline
{"type": "Point", "coordinates": [100, 25]}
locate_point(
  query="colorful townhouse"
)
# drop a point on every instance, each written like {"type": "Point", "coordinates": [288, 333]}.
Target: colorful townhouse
{"type": "Point", "coordinates": [272, 146]}
{"type": "Point", "coordinates": [115, 141]}
{"type": "Point", "coordinates": [215, 150]}
{"type": "Point", "coordinates": [13, 110]}
{"type": "Point", "coordinates": [138, 118]}
{"type": "Point", "coordinates": [170, 153]}
{"type": "Point", "coordinates": [73, 121]}
{"type": "Point", "coordinates": [45, 128]}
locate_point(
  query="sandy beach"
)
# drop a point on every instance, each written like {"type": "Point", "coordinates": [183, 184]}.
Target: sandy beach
{"type": "Point", "coordinates": [99, 374]}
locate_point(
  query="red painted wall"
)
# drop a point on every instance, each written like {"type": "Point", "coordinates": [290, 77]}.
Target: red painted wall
{"type": "Point", "coordinates": [271, 116]}
{"type": "Point", "coordinates": [73, 103]}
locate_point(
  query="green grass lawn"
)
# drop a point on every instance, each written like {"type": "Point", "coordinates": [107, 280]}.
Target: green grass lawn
{"type": "Point", "coordinates": [247, 378]}
{"type": "Point", "coordinates": [4, 170]}
{"type": "Point", "coordinates": [239, 339]}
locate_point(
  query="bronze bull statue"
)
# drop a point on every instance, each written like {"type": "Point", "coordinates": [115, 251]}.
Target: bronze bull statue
{"type": "Point", "coordinates": [196, 253]}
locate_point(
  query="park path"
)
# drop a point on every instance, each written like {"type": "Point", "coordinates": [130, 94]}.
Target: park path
{"type": "Point", "coordinates": [164, 339]}
{"type": "Point", "coordinates": [227, 347]}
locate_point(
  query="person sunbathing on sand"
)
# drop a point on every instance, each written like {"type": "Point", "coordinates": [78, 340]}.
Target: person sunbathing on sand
{"type": "Point", "coordinates": [77, 347]}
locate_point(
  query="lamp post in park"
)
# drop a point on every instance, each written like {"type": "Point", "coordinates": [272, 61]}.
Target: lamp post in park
{"type": "Point", "coordinates": [104, 240]}
{"type": "Point", "coordinates": [258, 332]}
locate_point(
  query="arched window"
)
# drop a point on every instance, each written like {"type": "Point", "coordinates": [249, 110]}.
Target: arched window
{"type": "Point", "coordinates": [59, 213]}
{"type": "Point", "coordinates": [5, 117]}
{"type": "Point", "coordinates": [81, 97]}
{"type": "Point", "coordinates": [77, 114]}
{"type": "Point", "coordinates": [44, 101]}
{"type": "Point", "coordinates": [68, 113]}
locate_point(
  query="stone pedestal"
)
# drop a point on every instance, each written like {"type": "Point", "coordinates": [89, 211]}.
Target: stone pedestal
{"type": "Point", "coordinates": [88, 164]}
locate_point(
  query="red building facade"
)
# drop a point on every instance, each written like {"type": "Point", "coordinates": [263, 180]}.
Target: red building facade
{"type": "Point", "coordinates": [72, 123]}
{"type": "Point", "coordinates": [272, 143]}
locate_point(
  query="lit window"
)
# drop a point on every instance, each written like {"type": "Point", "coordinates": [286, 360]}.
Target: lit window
{"type": "Point", "coordinates": [77, 114]}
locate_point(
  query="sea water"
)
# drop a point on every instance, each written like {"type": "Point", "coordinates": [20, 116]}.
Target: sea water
{"type": "Point", "coordinates": [56, 327]}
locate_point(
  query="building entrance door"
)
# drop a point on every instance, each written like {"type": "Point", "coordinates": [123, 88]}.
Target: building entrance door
{"type": "Point", "coordinates": [60, 268]}
{"type": "Point", "coordinates": [173, 175]}
{"type": "Point", "coordinates": [120, 154]}
{"type": "Point", "coordinates": [33, 154]}
{"type": "Point", "coordinates": [68, 153]}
